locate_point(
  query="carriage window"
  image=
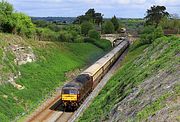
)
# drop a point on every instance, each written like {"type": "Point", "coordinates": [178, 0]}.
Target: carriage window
{"type": "Point", "coordinates": [70, 91]}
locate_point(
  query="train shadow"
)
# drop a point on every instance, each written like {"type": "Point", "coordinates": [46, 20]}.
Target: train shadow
{"type": "Point", "coordinates": [58, 106]}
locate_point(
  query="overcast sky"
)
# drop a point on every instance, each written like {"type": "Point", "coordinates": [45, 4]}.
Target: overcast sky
{"type": "Point", "coordinates": [73, 8]}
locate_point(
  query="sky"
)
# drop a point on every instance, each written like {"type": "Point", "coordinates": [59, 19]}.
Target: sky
{"type": "Point", "coordinates": [73, 8]}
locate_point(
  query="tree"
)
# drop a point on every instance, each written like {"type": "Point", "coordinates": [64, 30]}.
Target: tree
{"type": "Point", "coordinates": [13, 22]}
{"type": "Point", "coordinates": [39, 33]}
{"type": "Point", "coordinates": [108, 27]}
{"type": "Point", "coordinates": [115, 22]}
{"type": "Point", "coordinates": [85, 27]}
{"type": "Point", "coordinates": [81, 19]}
{"type": "Point", "coordinates": [90, 16]}
{"type": "Point", "coordinates": [171, 25]}
{"type": "Point", "coordinates": [98, 18]}
{"type": "Point", "coordinates": [94, 34]}
{"type": "Point", "coordinates": [155, 14]}
{"type": "Point", "coordinates": [150, 33]}
{"type": "Point", "coordinates": [6, 22]}
{"type": "Point", "coordinates": [23, 25]}
{"type": "Point", "coordinates": [40, 23]}
{"type": "Point", "coordinates": [6, 8]}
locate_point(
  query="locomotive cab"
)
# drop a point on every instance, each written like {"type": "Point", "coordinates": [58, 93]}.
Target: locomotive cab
{"type": "Point", "coordinates": [70, 94]}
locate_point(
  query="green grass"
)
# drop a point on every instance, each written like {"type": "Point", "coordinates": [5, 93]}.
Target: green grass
{"type": "Point", "coordinates": [103, 44]}
{"type": "Point", "coordinates": [42, 77]}
{"type": "Point", "coordinates": [141, 63]}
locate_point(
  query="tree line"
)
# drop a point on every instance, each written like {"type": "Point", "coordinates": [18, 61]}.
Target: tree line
{"type": "Point", "coordinates": [85, 25]}
{"type": "Point", "coordinates": [89, 25]}
{"type": "Point", "coordinates": [157, 20]}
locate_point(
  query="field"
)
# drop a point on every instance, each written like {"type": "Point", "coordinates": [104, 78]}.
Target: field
{"type": "Point", "coordinates": [42, 77]}
{"type": "Point", "coordinates": [116, 101]}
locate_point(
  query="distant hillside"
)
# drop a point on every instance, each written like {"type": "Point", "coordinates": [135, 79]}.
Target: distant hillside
{"type": "Point", "coordinates": [146, 87]}
{"type": "Point", "coordinates": [57, 19]}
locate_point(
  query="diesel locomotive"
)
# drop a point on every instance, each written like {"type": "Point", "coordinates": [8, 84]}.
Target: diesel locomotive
{"type": "Point", "coordinates": [74, 92]}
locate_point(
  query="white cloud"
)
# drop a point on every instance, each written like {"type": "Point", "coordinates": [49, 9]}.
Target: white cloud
{"type": "Point", "coordinates": [168, 2]}
{"type": "Point", "coordinates": [123, 8]}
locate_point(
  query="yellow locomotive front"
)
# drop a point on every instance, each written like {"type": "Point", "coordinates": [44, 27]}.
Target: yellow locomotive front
{"type": "Point", "coordinates": [70, 96]}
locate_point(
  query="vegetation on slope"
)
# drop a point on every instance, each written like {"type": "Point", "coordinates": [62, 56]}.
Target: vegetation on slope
{"type": "Point", "coordinates": [140, 64]}
{"type": "Point", "coordinates": [42, 77]}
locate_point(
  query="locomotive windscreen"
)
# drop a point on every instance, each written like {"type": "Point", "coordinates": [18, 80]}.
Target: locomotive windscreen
{"type": "Point", "coordinates": [83, 78]}
{"type": "Point", "coordinates": [69, 91]}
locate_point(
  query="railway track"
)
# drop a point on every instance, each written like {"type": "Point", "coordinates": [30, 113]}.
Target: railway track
{"type": "Point", "coordinates": [98, 88]}
{"type": "Point", "coordinates": [45, 111]}
{"type": "Point", "coordinates": [53, 111]}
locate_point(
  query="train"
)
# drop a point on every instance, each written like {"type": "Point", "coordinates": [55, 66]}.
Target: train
{"type": "Point", "coordinates": [73, 93]}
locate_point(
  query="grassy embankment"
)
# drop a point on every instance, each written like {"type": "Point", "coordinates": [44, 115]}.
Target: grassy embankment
{"type": "Point", "coordinates": [140, 64]}
{"type": "Point", "coordinates": [43, 76]}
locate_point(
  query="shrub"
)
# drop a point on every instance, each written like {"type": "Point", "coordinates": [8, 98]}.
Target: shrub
{"type": "Point", "coordinates": [101, 43]}
{"type": "Point", "coordinates": [49, 35]}
{"type": "Point", "coordinates": [94, 34]}
{"type": "Point", "coordinates": [89, 40]}
{"type": "Point", "coordinates": [23, 25]}
{"type": "Point", "coordinates": [85, 27]}
{"type": "Point", "coordinates": [75, 28]}
{"type": "Point", "coordinates": [13, 22]}
{"type": "Point", "coordinates": [115, 22]}
{"type": "Point", "coordinates": [3, 118]}
{"type": "Point", "coordinates": [64, 36]}
{"type": "Point", "coordinates": [108, 27]}
{"type": "Point", "coordinates": [150, 33]}
{"type": "Point", "coordinates": [79, 39]}
{"type": "Point", "coordinates": [45, 34]}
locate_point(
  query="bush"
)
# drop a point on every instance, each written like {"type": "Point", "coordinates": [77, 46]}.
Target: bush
{"type": "Point", "coordinates": [89, 40]}
{"type": "Point", "coordinates": [101, 43]}
{"type": "Point", "coordinates": [23, 25]}
{"type": "Point", "coordinates": [3, 118]}
{"type": "Point", "coordinates": [13, 22]}
{"type": "Point", "coordinates": [86, 27]}
{"type": "Point", "coordinates": [150, 33]}
{"type": "Point", "coordinates": [79, 39]}
{"type": "Point", "coordinates": [115, 22]}
{"type": "Point", "coordinates": [108, 27]}
{"type": "Point", "coordinates": [94, 34]}
{"type": "Point", "coordinates": [6, 21]}
{"type": "Point", "coordinates": [64, 36]}
{"type": "Point", "coordinates": [45, 34]}
{"type": "Point", "coordinates": [75, 28]}
{"type": "Point", "coordinates": [70, 36]}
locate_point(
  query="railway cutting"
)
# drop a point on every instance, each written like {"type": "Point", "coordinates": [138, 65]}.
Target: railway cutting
{"type": "Point", "coordinates": [70, 103]}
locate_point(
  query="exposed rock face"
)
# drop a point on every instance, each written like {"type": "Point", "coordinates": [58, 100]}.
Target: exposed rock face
{"type": "Point", "coordinates": [12, 79]}
{"type": "Point", "coordinates": [23, 55]}
{"type": "Point", "coordinates": [145, 94]}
